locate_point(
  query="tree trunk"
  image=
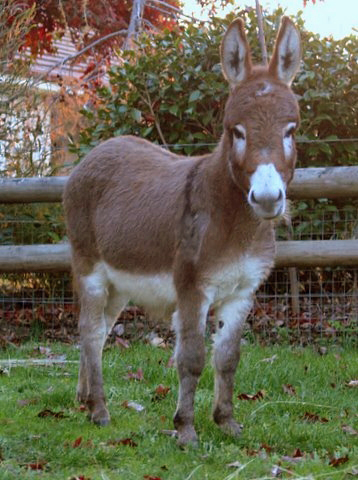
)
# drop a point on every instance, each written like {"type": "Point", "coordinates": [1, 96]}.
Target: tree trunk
{"type": "Point", "coordinates": [135, 24]}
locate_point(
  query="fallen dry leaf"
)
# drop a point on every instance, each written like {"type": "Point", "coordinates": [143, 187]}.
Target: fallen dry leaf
{"type": "Point", "coordinates": [236, 464]}
{"type": "Point", "coordinates": [134, 405]}
{"type": "Point", "coordinates": [150, 477]}
{"type": "Point", "coordinates": [276, 471]}
{"type": "Point", "coordinates": [49, 413]}
{"type": "Point", "coordinates": [336, 462]}
{"type": "Point", "coordinates": [77, 442]}
{"type": "Point", "coordinates": [313, 417]}
{"type": "Point", "coordinates": [266, 447]}
{"type": "Point", "coordinates": [35, 466]}
{"type": "Point", "coordinates": [120, 342]}
{"type": "Point", "coordinates": [80, 477]}
{"type": "Point", "coordinates": [123, 441]}
{"type": "Point", "coordinates": [160, 392]}
{"type": "Point", "coordinates": [289, 389]}
{"type": "Point", "coordinates": [138, 375]}
{"type": "Point", "coordinates": [257, 396]}
{"type": "Point", "coordinates": [296, 457]}
{"type": "Point", "coordinates": [350, 430]}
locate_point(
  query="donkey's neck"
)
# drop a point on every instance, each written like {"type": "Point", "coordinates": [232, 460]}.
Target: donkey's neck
{"type": "Point", "coordinates": [227, 196]}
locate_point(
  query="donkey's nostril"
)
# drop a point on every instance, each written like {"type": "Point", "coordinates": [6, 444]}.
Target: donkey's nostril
{"type": "Point", "coordinates": [253, 198]}
{"type": "Point", "coordinates": [280, 195]}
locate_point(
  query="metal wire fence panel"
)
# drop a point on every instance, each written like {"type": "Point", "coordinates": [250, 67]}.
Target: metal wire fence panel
{"type": "Point", "coordinates": [297, 305]}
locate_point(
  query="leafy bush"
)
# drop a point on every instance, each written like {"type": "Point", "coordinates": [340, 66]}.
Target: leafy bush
{"type": "Point", "coordinates": [172, 92]}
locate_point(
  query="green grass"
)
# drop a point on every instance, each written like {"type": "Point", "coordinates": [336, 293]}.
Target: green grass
{"type": "Point", "coordinates": [275, 422]}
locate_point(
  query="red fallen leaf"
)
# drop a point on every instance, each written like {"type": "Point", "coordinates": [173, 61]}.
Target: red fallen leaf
{"type": "Point", "coordinates": [297, 453]}
{"type": "Point", "coordinates": [296, 457]}
{"type": "Point", "coordinates": [251, 452]}
{"type": "Point", "coordinates": [77, 442]}
{"type": "Point", "coordinates": [123, 441]}
{"type": "Point", "coordinates": [160, 392]}
{"type": "Point", "coordinates": [35, 465]}
{"type": "Point", "coordinates": [80, 477]}
{"type": "Point", "coordinates": [336, 462]}
{"type": "Point", "coordinates": [266, 447]}
{"type": "Point", "coordinates": [150, 477]}
{"type": "Point", "coordinates": [49, 413]}
{"type": "Point", "coordinates": [246, 396]}
{"type": "Point", "coordinates": [138, 375]}
{"type": "Point", "coordinates": [313, 417]}
{"type": "Point", "coordinates": [289, 389]}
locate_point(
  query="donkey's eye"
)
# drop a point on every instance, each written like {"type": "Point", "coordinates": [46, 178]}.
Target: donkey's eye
{"type": "Point", "coordinates": [290, 130]}
{"type": "Point", "coordinates": [239, 132]}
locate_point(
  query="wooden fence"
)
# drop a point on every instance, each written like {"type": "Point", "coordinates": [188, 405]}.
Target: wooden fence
{"type": "Point", "coordinates": [331, 182]}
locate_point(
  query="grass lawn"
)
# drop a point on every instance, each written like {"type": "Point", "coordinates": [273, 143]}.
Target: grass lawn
{"type": "Point", "coordinates": [302, 421]}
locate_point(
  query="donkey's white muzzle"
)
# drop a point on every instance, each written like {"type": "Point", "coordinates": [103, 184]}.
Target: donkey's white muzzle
{"type": "Point", "coordinates": [267, 195]}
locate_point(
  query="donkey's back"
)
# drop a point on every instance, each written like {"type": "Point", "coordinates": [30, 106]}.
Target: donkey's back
{"type": "Point", "coordinates": [120, 204]}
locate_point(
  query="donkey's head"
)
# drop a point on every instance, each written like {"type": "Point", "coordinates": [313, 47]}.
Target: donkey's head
{"type": "Point", "coordinates": [261, 117]}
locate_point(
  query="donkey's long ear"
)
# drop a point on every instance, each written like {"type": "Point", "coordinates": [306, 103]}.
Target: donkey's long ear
{"type": "Point", "coordinates": [286, 57]}
{"type": "Point", "coordinates": [235, 54]}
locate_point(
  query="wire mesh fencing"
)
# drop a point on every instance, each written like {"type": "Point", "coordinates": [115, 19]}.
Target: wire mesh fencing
{"type": "Point", "coordinates": [296, 305]}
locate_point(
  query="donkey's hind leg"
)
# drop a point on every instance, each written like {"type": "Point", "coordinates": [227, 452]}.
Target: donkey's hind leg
{"type": "Point", "coordinates": [231, 317]}
{"type": "Point", "coordinates": [99, 308]}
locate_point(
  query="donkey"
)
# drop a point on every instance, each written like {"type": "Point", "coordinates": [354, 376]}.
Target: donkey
{"type": "Point", "coordinates": [187, 233]}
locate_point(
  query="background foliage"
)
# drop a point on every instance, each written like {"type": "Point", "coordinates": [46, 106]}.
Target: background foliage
{"type": "Point", "coordinates": [171, 91]}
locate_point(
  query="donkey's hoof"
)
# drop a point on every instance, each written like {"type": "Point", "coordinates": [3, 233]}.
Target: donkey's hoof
{"type": "Point", "coordinates": [231, 427]}
{"type": "Point", "coordinates": [100, 417]}
{"type": "Point", "coordinates": [81, 397]}
{"type": "Point", "coordinates": [187, 437]}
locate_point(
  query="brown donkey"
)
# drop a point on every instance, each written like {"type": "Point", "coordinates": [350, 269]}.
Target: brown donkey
{"type": "Point", "coordinates": [172, 232]}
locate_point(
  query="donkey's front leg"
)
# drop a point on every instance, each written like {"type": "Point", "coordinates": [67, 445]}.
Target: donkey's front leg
{"type": "Point", "coordinates": [189, 322]}
{"type": "Point", "coordinates": [231, 317]}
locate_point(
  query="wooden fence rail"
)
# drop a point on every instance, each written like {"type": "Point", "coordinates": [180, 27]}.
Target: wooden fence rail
{"type": "Point", "coordinates": [330, 182]}
{"type": "Point", "coordinates": [305, 254]}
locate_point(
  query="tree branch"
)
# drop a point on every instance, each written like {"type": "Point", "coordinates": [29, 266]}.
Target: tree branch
{"type": "Point", "coordinates": [261, 33]}
{"type": "Point", "coordinates": [81, 52]}
{"type": "Point", "coordinates": [134, 23]}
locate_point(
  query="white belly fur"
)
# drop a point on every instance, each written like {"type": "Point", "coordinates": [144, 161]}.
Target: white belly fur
{"type": "Point", "coordinates": [153, 291]}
